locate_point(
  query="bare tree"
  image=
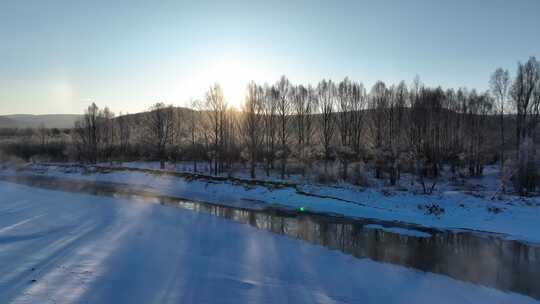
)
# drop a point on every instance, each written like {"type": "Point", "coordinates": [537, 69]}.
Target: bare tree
{"type": "Point", "coordinates": [160, 130]}
{"type": "Point", "coordinates": [87, 135]}
{"type": "Point", "coordinates": [454, 126]}
{"type": "Point", "coordinates": [388, 125]}
{"type": "Point", "coordinates": [252, 126]}
{"type": "Point", "coordinates": [194, 123]}
{"type": "Point", "coordinates": [216, 109]}
{"type": "Point", "coordinates": [179, 133]}
{"type": "Point", "coordinates": [346, 123]}
{"type": "Point", "coordinates": [499, 84]}
{"type": "Point", "coordinates": [124, 133]}
{"type": "Point", "coordinates": [358, 105]}
{"type": "Point", "coordinates": [43, 134]}
{"type": "Point", "coordinates": [231, 137]}
{"type": "Point", "coordinates": [310, 111]}
{"type": "Point", "coordinates": [395, 131]}
{"type": "Point", "coordinates": [425, 133]}
{"type": "Point", "coordinates": [284, 109]}
{"type": "Point", "coordinates": [270, 126]}
{"type": "Point", "coordinates": [522, 93]}
{"type": "Point", "coordinates": [303, 108]}
{"type": "Point", "coordinates": [478, 109]}
{"type": "Point", "coordinates": [327, 95]}
{"type": "Point", "coordinates": [379, 105]}
{"type": "Point", "coordinates": [525, 93]}
{"type": "Point", "coordinates": [107, 130]}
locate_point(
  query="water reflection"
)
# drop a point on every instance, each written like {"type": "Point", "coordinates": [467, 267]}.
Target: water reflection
{"type": "Point", "coordinates": [486, 260]}
{"type": "Point", "coordinates": [472, 257]}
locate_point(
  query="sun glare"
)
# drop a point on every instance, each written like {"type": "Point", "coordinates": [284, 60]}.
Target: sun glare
{"type": "Point", "coordinates": [232, 75]}
{"type": "Point", "coordinates": [233, 78]}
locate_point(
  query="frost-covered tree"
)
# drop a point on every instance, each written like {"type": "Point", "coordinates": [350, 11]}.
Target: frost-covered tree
{"type": "Point", "coordinates": [284, 111]}
{"type": "Point", "coordinates": [87, 136]}
{"type": "Point", "coordinates": [160, 130]}
{"type": "Point", "coordinates": [270, 106]}
{"type": "Point", "coordinates": [379, 104]}
{"type": "Point", "coordinates": [124, 127]}
{"type": "Point", "coordinates": [499, 85]}
{"type": "Point", "coordinates": [216, 110]}
{"type": "Point", "coordinates": [327, 93]}
{"type": "Point", "coordinates": [252, 124]}
{"type": "Point", "coordinates": [350, 107]}
{"type": "Point", "coordinates": [523, 96]}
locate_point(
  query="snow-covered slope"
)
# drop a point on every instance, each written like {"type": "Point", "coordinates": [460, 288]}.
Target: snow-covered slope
{"type": "Point", "coordinates": [60, 247]}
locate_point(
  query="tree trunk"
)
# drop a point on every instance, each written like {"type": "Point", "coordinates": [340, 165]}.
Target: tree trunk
{"type": "Point", "coordinates": [252, 169]}
{"type": "Point", "coordinates": [283, 168]}
{"type": "Point", "coordinates": [393, 175]}
{"type": "Point", "coordinates": [502, 150]}
{"type": "Point", "coordinates": [345, 170]}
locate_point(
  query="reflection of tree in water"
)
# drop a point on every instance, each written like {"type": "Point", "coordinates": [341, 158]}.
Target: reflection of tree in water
{"type": "Point", "coordinates": [503, 264]}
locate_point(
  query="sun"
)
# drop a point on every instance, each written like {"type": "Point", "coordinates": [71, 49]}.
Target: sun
{"type": "Point", "coordinates": [233, 76]}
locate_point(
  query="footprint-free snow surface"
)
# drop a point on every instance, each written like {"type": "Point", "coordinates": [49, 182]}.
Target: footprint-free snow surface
{"type": "Point", "coordinates": [58, 247]}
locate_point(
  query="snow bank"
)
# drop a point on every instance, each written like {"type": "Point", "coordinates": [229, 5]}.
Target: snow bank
{"type": "Point", "coordinates": [513, 218]}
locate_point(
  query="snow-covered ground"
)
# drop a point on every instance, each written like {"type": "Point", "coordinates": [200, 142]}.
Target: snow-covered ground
{"type": "Point", "coordinates": [58, 247]}
{"type": "Point", "coordinates": [513, 217]}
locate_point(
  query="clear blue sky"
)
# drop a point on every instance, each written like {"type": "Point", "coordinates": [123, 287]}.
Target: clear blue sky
{"type": "Point", "coordinates": [57, 56]}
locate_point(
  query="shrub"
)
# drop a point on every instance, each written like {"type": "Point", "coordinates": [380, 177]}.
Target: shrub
{"type": "Point", "coordinates": [525, 177]}
{"type": "Point", "coordinates": [431, 209]}
{"type": "Point", "coordinates": [358, 175]}
{"type": "Point", "coordinates": [328, 177]}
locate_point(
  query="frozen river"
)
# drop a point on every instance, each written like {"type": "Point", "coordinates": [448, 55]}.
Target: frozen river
{"type": "Point", "coordinates": [102, 242]}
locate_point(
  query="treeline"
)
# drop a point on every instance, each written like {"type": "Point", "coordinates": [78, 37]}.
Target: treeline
{"type": "Point", "coordinates": [299, 129]}
{"type": "Point", "coordinates": [35, 143]}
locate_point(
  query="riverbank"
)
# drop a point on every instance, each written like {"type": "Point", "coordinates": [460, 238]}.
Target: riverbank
{"type": "Point", "coordinates": [511, 217]}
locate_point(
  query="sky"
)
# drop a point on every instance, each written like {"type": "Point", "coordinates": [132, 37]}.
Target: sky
{"type": "Point", "coordinates": [59, 56]}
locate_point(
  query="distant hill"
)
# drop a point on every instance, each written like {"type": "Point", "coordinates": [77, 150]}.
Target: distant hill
{"type": "Point", "coordinates": [6, 122]}
{"type": "Point", "coordinates": [33, 121]}
{"type": "Point", "coordinates": [141, 116]}
{"type": "Point", "coordinates": [60, 121]}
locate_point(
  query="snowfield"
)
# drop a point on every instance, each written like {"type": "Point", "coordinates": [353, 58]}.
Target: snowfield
{"type": "Point", "coordinates": [58, 247]}
{"type": "Point", "coordinates": [511, 216]}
